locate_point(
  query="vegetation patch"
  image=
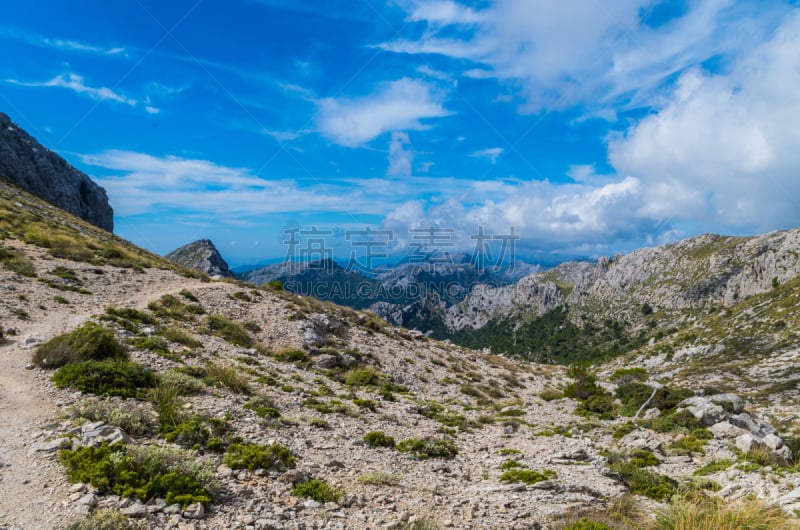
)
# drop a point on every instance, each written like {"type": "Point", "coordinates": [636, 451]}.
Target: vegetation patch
{"type": "Point", "coordinates": [143, 472]}
{"type": "Point", "coordinates": [91, 341]}
{"type": "Point", "coordinates": [17, 262]}
{"type": "Point", "coordinates": [133, 418]}
{"type": "Point", "coordinates": [104, 520]}
{"type": "Point", "coordinates": [428, 448]}
{"type": "Point", "coordinates": [319, 490]}
{"type": "Point", "coordinates": [294, 356]}
{"type": "Point", "coordinates": [257, 456]}
{"type": "Point", "coordinates": [378, 439]}
{"type": "Point", "coordinates": [229, 330]}
{"type": "Point", "coordinates": [111, 378]}
{"type": "Point", "coordinates": [229, 377]}
{"type": "Point", "coordinates": [263, 407]}
{"type": "Point", "coordinates": [527, 476]}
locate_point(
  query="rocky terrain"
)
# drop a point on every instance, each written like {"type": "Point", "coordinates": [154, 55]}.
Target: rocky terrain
{"type": "Point", "coordinates": [33, 167]}
{"type": "Point", "coordinates": [259, 409]}
{"type": "Point", "coordinates": [201, 256]}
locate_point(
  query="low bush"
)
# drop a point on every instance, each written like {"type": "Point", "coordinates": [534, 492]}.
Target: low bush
{"type": "Point", "coordinates": [256, 456]}
{"type": "Point", "coordinates": [587, 524]}
{"type": "Point", "coordinates": [111, 378]}
{"type": "Point", "coordinates": [263, 406]}
{"type": "Point", "coordinates": [318, 490]}
{"type": "Point", "coordinates": [428, 448]}
{"type": "Point", "coordinates": [229, 377]}
{"type": "Point", "coordinates": [643, 482]}
{"type": "Point", "coordinates": [229, 330]}
{"type": "Point", "coordinates": [181, 337]}
{"type": "Point", "coordinates": [378, 439]}
{"type": "Point", "coordinates": [104, 520]}
{"type": "Point", "coordinates": [379, 478]}
{"type": "Point", "coordinates": [143, 472]}
{"type": "Point", "coordinates": [527, 476]}
{"type": "Point", "coordinates": [700, 512]}
{"type": "Point", "coordinates": [91, 341]}
{"type": "Point", "coordinates": [291, 355]}
{"type": "Point", "coordinates": [364, 377]}
{"type": "Point", "coordinates": [17, 262]}
{"type": "Point", "coordinates": [133, 418]}
{"type": "Point", "coordinates": [629, 375]}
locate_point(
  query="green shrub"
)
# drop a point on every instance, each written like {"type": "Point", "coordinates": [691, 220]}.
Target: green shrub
{"type": "Point", "coordinates": [17, 262]}
{"type": "Point", "coordinates": [364, 377]}
{"type": "Point", "coordinates": [290, 355]}
{"type": "Point", "coordinates": [154, 344]}
{"type": "Point", "coordinates": [241, 295]}
{"type": "Point", "coordinates": [133, 418]}
{"type": "Point", "coordinates": [693, 442]}
{"type": "Point", "coordinates": [643, 458]}
{"type": "Point", "coordinates": [229, 330]}
{"type": "Point", "coordinates": [181, 337]}
{"type": "Point", "coordinates": [263, 406]}
{"type": "Point", "coordinates": [510, 464]}
{"type": "Point", "coordinates": [104, 520]}
{"type": "Point", "coordinates": [428, 448]}
{"type": "Point", "coordinates": [188, 295]}
{"type": "Point", "coordinates": [586, 524]}
{"type": "Point", "coordinates": [629, 375]}
{"type": "Point", "coordinates": [185, 384]}
{"type": "Point", "coordinates": [551, 394]}
{"type": "Point", "coordinates": [643, 482]}
{"type": "Point", "coordinates": [318, 490]}
{"type": "Point", "coordinates": [527, 476]}
{"type": "Point", "coordinates": [713, 467]}
{"type": "Point", "coordinates": [255, 456]}
{"type": "Point", "coordinates": [600, 404]}
{"type": "Point", "coordinates": [624, 429]}
{"type": "Point", "coordinates": [585, 384]}
{"type": "Point", "coordinates": [88, 342]}
{"type": "Point", "coordinates": [369, 404]}
{"type": "Point", "coordinates": [227, 376]}
{"type": "Point", "coordinates": [143, 472]}
{"type": "Point", "coordinates": [112, 378]}
{"type": "Point", "coordinates": [378, 439]}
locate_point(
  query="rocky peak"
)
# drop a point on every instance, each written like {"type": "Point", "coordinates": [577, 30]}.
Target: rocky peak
{"type": "Point", "coordinates": [203, 256]}
{"type": "Point", "coordinates": [27, 164]}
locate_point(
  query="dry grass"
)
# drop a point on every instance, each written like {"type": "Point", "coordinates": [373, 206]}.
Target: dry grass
{"type": "Point", "coordinates": [704, 513]}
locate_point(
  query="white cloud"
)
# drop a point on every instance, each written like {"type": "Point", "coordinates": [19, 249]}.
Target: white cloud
{"type": "Point", "coordinates": [140, 183]}
{"type": "Point", "coordinates": [724, 147]}
{"type": "Point", "coordinates": [492, 154]}
{"type": "Point", "coordinates": [399, 157]}
{"type": "Point", "coordinates": [398, 106]}
{"type": "Point", "coordinates": [34, 39]}
{"type": "Point", "coordinates": [77, 84]}
{"type": "Point", "coordinates": [561, 54]}
{"type": "Point", "coordinates": [444, 12]}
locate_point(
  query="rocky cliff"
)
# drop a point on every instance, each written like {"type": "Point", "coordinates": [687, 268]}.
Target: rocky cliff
{"type": "Point", "coordinates": [201, 256]}
{"type": "Point", "coordinates": [34, 168]}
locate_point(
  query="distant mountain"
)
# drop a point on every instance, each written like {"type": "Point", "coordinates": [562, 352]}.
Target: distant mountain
{"type": "Point", "coordinates": [201, 256]}
{"type": "Point", "coordinates": [393, 287]}
{"type": "Point", "coordinates": [27, 164]}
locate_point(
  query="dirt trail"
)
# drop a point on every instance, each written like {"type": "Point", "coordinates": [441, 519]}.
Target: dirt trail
{"type": "Point", "coordinates": [26, 407]}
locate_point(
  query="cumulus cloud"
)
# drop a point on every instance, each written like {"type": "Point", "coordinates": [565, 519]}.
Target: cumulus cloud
{"type": "Point", "coordinates": [724, 147]}
{"type": "Point", "coordinates": [399, 157]}
{"type": "Point", "coordinates": [400, 105]}
{"type": "Point", "coordinates": [573, 52]}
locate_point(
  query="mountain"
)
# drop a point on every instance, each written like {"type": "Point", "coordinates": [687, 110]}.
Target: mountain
{"type": "Point", "coordinates": [203, 256]}
{"type": "Point", "coordinates": [136, 393]}
{"type": "Point", "coordinates": [390, 288]}
{"type": "Point", "coordinates": [27, 164]}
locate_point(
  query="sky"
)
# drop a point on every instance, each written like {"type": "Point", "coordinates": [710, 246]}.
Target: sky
{"type": "Point", "coordinates": [280, 129]}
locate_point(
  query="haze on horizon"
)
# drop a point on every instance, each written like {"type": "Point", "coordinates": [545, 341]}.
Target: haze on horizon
{"type": "Point", "coordinates": [586, 128]}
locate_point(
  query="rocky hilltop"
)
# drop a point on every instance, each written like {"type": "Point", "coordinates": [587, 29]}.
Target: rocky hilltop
{"type": "Point", "coordinates": [27, 164]}
{"type": "Point", "coordinates": [140, 395]}
{"type": "Point", "coordinates": [203, 256]}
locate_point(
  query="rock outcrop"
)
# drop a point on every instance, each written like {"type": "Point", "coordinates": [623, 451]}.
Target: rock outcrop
{"type": "Point", "coordinates": [27, 164]}
{"type": "Point", "coordinates": [201, 256]}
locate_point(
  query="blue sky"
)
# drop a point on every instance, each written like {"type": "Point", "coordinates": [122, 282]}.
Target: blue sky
{"type": "Point", "coordinates": [589, 127]}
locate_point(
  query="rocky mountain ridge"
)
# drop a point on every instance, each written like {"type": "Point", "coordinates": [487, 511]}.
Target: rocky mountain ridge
{"type": "Point", "coordinates": [280, 398]}
{"type": "Point", "coordinates": [32, 167]}
{"type": "Point", "coordinates": [202, 256]}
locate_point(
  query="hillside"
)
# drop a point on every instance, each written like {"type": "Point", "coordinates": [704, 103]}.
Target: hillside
{"type": "Point", "coordinates": [250, 407]}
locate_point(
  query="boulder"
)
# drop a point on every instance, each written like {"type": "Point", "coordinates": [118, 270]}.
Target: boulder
{"type": "Point", "coordinates": [704, 410]}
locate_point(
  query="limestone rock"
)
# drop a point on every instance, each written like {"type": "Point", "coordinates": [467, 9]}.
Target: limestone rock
{"type": "Point", "coordinates": [201, 256]}
{"type": "Point", "coordinates": [29, 165]}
